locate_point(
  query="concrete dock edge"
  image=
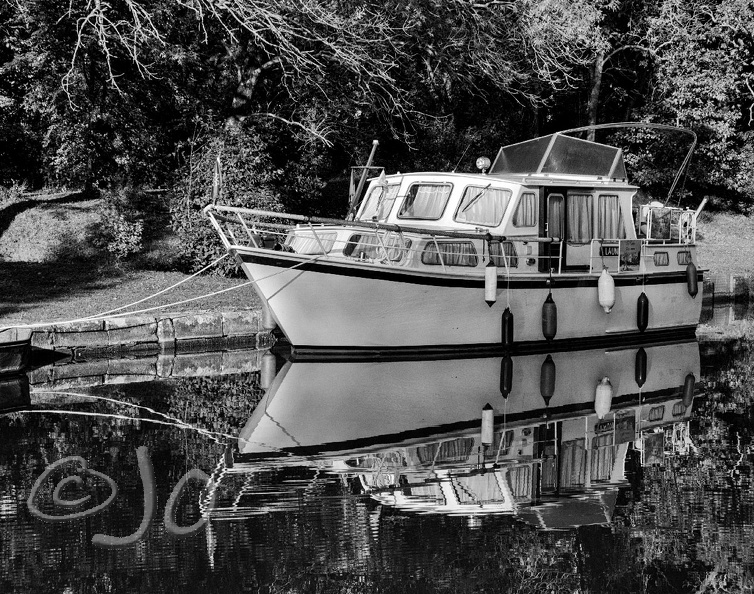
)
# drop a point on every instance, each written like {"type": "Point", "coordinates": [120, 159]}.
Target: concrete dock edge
{"type": "Point", "coordinates": [172, 332]}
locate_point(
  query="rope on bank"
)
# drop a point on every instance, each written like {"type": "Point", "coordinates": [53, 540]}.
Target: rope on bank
{"type": "Point", "coordinates": [129, 313]}
{"type": "Point", "coordinates": [197, 273]}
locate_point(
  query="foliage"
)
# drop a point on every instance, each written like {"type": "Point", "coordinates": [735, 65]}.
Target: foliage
{"type": "Point", "coordinates": [120, 230]}
{"type": "Point", "coordinates": [12, 194]}
{"type": "Point", "coordinates": [106, 95]}
{"type": "Point", "coordinates": [703, 81]}
{"type": "Point", "coordinates": [247, 181]}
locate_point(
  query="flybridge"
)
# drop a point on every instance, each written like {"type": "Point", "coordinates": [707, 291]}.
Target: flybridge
{"type": "Point", "coordinates": [557, 154]}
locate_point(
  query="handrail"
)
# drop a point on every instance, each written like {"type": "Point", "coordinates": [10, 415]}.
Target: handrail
{"type": "Point", "coordinates": [373, 226]}
{"type": "Point", "coordinates": [650, 126]}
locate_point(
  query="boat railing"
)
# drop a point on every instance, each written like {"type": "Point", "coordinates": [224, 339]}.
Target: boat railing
{"type": "Point", "coordinates": [380, 242]}
{"type": "Point", "coordinates": [638, 255]}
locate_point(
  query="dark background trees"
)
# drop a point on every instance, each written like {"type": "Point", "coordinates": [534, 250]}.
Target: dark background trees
{"type": "Point", "coordinates": [103, 94]}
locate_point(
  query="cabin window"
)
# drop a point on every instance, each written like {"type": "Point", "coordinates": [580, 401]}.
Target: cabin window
{"type": "Point", "coordinates": [312, 242]}
{"type": "Point", "coordinates": [580, 225]}
{"type": "Point", "coordinates": [454, 253]}
{"type": "Point", "coordinates": [679, 409]}
{"type": "Point", "coordinates": [425, 201]}
{"type": "Point", "coordinates": [683, 258]}
{"type": "Point", "coordinates": [379, 202]}
{"type": "Point", "coordinates": [500, 251]}
{"type": "Point", "coordinates": [656, 413]}
{"type": "Point", "coordinates": [661, 259]}
{"type": "Point", "coordinates": [526, 211]}
{"type": "Point", "coordinates": [609, 218]}
{"type": "Point", "coordinates": [483, 206]}
{"type": "Point", "coordinates": [367, 246]}
{"type": "Point", "coordinates": [456, 450]}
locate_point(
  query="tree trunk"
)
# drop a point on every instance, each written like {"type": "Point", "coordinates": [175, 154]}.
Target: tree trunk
{"type": "Point", "coordinates": [594, 95]}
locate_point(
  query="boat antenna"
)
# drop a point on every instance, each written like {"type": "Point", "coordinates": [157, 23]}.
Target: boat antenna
{"type": "Point", "coordinates": [468, 146]}
{"type": "Point", "coordinates": [652, 126]}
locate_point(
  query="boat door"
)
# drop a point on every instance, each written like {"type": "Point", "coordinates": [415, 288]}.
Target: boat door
{"type": "Point", "coordinates": [552, 224]}
{"type": "Point", "coordinates": [569, 216]}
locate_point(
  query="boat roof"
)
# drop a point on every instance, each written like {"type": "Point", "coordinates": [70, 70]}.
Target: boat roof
{"type": "Point", "coordinates": [554, 159]}
{"type": "Point", "coordinates": [557, 154]}
{"type": "Point", "coordinates": [530, 179]}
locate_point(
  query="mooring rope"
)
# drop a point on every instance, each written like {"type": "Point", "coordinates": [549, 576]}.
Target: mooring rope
{"type": "Point", "coordinates": [197, 273]}
{"type": "Point", "coordinates": [156, 307]}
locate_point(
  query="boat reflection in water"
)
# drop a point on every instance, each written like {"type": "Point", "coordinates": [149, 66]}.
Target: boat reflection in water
{"type": "Point", "coordinates": [547, 437]}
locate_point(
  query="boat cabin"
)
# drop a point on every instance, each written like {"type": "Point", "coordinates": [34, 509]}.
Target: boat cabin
{"type": "Point", "coordinates": [571, 190]}
{"type": "Point", "coordinates": [555, 204]}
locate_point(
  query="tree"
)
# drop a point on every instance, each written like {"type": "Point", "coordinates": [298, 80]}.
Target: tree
{"type": "Point", "coordinates": [703, 81]}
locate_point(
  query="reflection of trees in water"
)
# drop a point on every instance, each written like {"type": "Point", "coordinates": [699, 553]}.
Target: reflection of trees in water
{"type": "Point", "coordinates": [696, 513]}
{"type": "Point", "coordinates": [685, 526]}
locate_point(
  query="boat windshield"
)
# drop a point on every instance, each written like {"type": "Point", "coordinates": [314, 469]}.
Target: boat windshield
{"type": "Point", "coordinates": [425, 201]}
{"type": "Point", "coordinates": [379, 202]}
{"type": "Point", "coordinates": [483, 205]}
{"type": "Point", "coordinates": [557, 154]}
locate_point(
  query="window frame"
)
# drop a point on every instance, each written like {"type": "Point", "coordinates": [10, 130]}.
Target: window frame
{"type": "Point", "coordinates": [484, 190]}
{"type": "Point", "coordinates": [514, 217]}
{"type": "Point", "coordinates": [437, 244]}
{"type": "Point", "coordinates": [365, 204]}
{"type": "Point", "coordinates": [399, 214]}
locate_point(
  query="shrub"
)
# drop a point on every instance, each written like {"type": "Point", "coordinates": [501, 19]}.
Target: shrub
{"type": "Point", "coordinates": [248, 176]}
{"type": "Point", "coordinates": [121, 228]}
{"type": "Point", "coordinates": [12, 194]}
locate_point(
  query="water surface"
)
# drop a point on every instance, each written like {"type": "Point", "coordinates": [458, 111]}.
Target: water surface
{"type": "Point", "coordinates": [380, 476]}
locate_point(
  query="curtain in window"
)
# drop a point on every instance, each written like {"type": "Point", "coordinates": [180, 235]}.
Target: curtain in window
{"type": "Point", "coordinates": [482, 206]}
{"type": "Point", "coordinates": [580, 218]}
{"type": "Point", "coordinates": [306, 242]}
{"type": "Point", "coordinates": [526, 212]}
{"type": "Point", "coordinates": [425, 201]}
{"type": "Point", "coordinates": [454, 253]}
{"type": "Point", "coordinates": [386, 203]}
{"type": "Point", "coordinates": [507, 249]}
{"type": "Point", "coordinates": [478, 489]}
{"type": "Point", "coordinates": [609, 218]}
{"type": "Point", "coordinates": [379, 202]}
{"type": "Point", "coordinates": [368, 245]}
{"type": "Point", "coordinates": [555, 216]}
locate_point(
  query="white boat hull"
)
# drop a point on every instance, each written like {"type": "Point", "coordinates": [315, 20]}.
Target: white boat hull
{"type": "Point", "coordinates": [353, 305]}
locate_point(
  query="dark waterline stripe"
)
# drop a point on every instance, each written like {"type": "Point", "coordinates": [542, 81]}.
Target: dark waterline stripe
{"type": "Point", "coordinates": [412, 276]}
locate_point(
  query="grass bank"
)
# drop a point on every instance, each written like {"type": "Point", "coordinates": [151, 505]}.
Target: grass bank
{"type": "Point", "coordinates": [725, 244]}
{"type": "Point", "coordinates": [39, 292]}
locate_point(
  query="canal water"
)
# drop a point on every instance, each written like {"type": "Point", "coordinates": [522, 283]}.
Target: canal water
{"type": "Point", "coordinates": [610, 470]}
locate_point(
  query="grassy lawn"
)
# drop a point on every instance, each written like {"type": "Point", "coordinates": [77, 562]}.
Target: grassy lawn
{"type": "Point", "coordinates": [40, 292]}
{"type": "Point", "coordinates": [726, 244]}
{"type": "Point", "coordinates": [50, 272]}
